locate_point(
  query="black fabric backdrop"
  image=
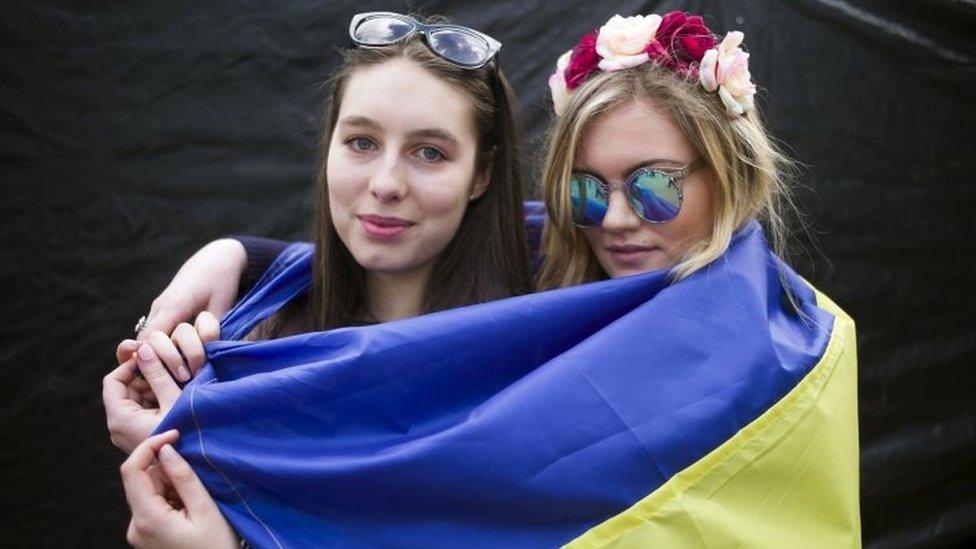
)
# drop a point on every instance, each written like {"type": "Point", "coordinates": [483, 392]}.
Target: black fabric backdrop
{"type": "Point", "coordinates": [131, 133]}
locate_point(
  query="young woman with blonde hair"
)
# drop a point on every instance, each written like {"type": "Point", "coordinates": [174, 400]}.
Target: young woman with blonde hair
{"type": "Point", "coordinates": [668, 131]}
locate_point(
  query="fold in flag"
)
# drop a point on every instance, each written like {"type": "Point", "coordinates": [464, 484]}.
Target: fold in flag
{"type": "Point", "coordinates": [630, 412]}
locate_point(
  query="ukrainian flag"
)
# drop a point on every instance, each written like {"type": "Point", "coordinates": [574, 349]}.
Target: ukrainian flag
{"type": "Point", "coordinates": [631, 412]}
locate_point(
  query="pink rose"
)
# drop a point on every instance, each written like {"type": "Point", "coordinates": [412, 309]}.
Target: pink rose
{"type": "Point", "coordinates": [726, 69]}
{"type": "Point", "coordinates": [557, 84]}
{"type": "Point", "coordinates": [583, 61]}
{"type": "Point", "coordinates": [621, 41]}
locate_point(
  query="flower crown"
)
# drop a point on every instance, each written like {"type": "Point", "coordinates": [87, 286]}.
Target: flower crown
{"type": "Point", "coordinates": [677, 41]}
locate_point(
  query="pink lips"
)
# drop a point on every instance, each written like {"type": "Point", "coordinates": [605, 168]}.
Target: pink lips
{"type": "Point", "coordinates": [630, 253]}
{"type": "Point", "coordinates": [381, 227]}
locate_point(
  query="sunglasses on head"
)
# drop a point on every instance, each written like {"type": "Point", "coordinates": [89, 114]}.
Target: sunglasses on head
{"type": "Point", "coordinates": [460, 45]}
{"type": "Point", "coordinates": [654, 194]}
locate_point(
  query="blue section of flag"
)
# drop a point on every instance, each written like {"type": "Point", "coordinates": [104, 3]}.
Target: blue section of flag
{"type": "Point", "coordinates": [521, 422]}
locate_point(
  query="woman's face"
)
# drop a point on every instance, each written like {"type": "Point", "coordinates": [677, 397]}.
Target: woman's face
{"type": "Point", "coordinates": [401, 166]}
{"type": "Point", "coordinates": [631, 136]}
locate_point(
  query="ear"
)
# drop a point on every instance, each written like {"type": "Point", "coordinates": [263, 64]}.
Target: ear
{"type": "Point", "coordinates": [483, 178]}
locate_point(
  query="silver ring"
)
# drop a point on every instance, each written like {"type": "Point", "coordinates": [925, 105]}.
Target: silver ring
{"type": "Point", "coordinates": [141, 324]}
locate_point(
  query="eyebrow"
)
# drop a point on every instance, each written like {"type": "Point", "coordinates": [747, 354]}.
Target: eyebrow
{"type": "Point", "coordinates": [433, 133]}
{"type": "Point", "coordinates": [361, 121]}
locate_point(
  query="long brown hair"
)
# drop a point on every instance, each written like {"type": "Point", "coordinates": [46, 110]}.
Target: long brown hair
{"type": "Point", "coordinates": [487, 258]}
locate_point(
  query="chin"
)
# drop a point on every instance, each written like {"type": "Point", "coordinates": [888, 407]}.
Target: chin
{"type": "Point", "coordinates": [617, 273]}
{"type": "Point", "coordinates": [630, 270]}
{"type": "Point", "coordinates": [386, 260]}
{"type": "Point", "coordinates": [376, 260]}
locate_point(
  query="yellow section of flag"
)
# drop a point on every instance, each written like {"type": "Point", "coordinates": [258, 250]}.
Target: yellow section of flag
{"type": "Point", "coordinates": [788, 479]}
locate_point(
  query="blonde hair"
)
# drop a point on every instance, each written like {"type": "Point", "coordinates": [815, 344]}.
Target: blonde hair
{"type": "Point", "coordinates": [747, 169]}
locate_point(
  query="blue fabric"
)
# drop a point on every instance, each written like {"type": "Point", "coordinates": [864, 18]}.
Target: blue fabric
{"type": "Point", "coordinates": [521, 422]}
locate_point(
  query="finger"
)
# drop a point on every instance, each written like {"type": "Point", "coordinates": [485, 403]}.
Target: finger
{"type": "Point", "coordinates": [146, 399]}
{"type": "Point", "coordinates": [188, 342]}
{"type": "Point", "coordinates": [161, 486]}
{"type": "Point", "coordinates": [185, 481]}
{"type": "Point", "coordinates": [170, 355]}
{"type": "Point", "coordinates": [121, 405]}
{"type": "Point", "coordinates": [156, 477]}
{"type": "Point", "coordinates": [163, 317]}
{"type": "Point", "coordinates": [140, 391]}
{"type": "Point", "coordinates": [132, 394]}
{"type": "Point", "coordinates": [139, 384]}
{"type": "Point", "coordinates": [126, 349]}
{"type": "Point", "coordinates": [139, 489]}
{"type": "Point", "coordinates": [115, 384]}
{"type": "Point", "coordinates": [162, 385]}
{"type": "Point", "coordinates": [149, 400]}
{"type": "Point", "coordinates": [207, 326]}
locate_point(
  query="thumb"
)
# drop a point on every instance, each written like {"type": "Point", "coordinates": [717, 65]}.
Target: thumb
{"type": "Point", "coordinates": [126, 349]}
{"type": "Point", "coordinates": [185, 481]}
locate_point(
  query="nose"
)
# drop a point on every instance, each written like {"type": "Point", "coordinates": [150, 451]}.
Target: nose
{"type": "Point", "coordinates": [388, 182]}
{"type": "Point", "coordinates": [620, 216]}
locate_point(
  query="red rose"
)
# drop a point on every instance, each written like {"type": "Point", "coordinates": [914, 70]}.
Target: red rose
{"type": "Point", "coordinates": [686, 38]}
{"type": "Point", "coordinates": [656, 51]}
{"type": "Point", "coordinates": [583, 61]}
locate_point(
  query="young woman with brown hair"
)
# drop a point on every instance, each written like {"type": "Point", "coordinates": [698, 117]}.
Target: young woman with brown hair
{"type": "Point", "coordinates": [418, 208]}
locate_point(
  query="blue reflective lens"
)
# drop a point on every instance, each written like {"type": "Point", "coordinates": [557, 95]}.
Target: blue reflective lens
{"type": "Point", "coordinates": [654, 196]}
{"type": "Point", "coordinates": [589, 200]}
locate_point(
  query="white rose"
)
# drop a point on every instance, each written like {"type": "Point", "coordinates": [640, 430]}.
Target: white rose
{"type": "Point", "coordinates": [622, 40]}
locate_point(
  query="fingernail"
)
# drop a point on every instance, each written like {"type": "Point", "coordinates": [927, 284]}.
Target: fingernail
{"type": "Point", "coordinates": [183, 373]}
{"type": "Point", "coordinates": [167, 452]}
{"type": "Point", "coordinates": [146, 353]}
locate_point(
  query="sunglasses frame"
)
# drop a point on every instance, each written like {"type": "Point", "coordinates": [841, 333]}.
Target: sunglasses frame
{"type": "Point", "coordinates": [675, 178]}
{"type": "Point", "coordinates": [426, 30]}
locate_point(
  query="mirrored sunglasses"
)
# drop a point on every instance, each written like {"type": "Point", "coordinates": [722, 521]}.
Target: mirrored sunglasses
{"type": "Point", "coordinates": [459, 45]}
{"type": "Point", "coordinates": [654, 194]}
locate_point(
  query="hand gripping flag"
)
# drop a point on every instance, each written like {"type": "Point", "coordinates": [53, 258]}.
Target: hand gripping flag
{"type": "Point", "coordinates": [631, 412]}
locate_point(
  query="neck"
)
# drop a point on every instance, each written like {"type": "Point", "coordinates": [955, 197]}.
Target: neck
{"type": "Point", "coordinates": [391, 296]}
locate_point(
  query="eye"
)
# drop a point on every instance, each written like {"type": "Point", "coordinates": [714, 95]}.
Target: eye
{"type": "Point", "coordinates": [359, 143]}
{"type": "Point", "coordinates": [430, 154]}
